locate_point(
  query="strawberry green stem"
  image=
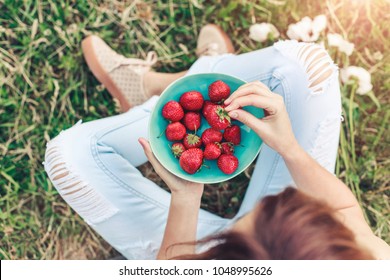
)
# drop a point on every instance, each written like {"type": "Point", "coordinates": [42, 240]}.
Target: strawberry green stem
{"type": "Point", "coordinates": [162, 133]}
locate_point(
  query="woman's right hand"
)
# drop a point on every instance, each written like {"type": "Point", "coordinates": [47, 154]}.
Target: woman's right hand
{"type": "Point", "coordinates": [275, 128]}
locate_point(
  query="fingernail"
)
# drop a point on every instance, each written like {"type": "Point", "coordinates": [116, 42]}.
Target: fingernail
{"type": "Point", "coordinates": [227, 101]}
{"type": "Point", "coordinates": [233, 114]}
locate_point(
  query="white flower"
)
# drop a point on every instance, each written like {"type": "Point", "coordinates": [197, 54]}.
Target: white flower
{"type": "Point", "coordinates": [260, 32]}
{"type": "Point", "coordinates": [336, 40]}
{"type": "Point", "coordinates": [319, 23]}
{"type": "Point", "coordinates": [301, 31]}
{"type": "Point", "coordinates": [307, 30]}
{"type": "Point", "coordinates": [362, 75]}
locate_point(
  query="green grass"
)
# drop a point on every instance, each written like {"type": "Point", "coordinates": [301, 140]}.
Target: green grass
{"type": "Point", "coordinates": [46, 87]}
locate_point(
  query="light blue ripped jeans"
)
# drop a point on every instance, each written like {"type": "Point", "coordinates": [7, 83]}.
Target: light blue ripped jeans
{"type": "Point", "coordinates": [93, 165]}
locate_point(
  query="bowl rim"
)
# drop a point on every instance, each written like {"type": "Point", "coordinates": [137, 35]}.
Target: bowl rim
{"type": "Point", "coordinates": [204, 181]}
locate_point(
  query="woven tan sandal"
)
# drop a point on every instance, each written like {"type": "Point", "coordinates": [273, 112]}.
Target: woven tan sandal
{"type": "Point", "coordinates": [122, 77]}
{"type": "Point", "coordinates": [213, 41]}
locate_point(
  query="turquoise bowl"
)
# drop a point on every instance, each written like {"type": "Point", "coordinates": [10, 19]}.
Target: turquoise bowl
{"type": "Point", "coordinates": [246, 152]}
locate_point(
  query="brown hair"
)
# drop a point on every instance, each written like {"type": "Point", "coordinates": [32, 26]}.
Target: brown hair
{"type": "Point", "coordinates": [287, 226]}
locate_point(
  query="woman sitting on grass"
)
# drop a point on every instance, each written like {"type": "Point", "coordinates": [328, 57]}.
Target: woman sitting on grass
{"type": "Point", "coordinates": [93, 165]}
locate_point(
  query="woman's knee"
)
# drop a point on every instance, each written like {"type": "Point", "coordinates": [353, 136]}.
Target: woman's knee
{"type": "Point", "coordinates": [66, 156]}
{"type": "Point", "coordinates": [317, 66]}
{"type": "Point", "coordinates": [62, 158]}
{"type": "Point", "coordinates": [61, 151]}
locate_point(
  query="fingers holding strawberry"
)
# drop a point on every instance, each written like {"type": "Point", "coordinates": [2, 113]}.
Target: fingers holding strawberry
{"type": "Point", "coordinates": [255, 87]}
{"type": "Point", "coordinates": [275, 128]}
{"type": "Point", "coordinates": [264, 102]}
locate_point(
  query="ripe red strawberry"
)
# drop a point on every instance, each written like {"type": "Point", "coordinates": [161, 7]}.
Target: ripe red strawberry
{"type": "Point", "coordinates": [212, 151]}
{"type": "Point", "coordinates": [173, 111]}
{"type": "Point", "coordinates": [192, 120]}
{"type": "Point", "coordinates": [227, 148]}
{"type": "Point", "coordinates": [191, 100]}
{"type": "Point", "coordinates": [178, 149]}
{"type": "Point", "coordinates": [227, 163]}
{"type": "Point", "coordinates": [191, 160]}
{"type": "Point", "coordinates": [218, 118]}
{"type": "Point", "coordinates": [192, 141]}
{"type": "Point", "coordinates": [175, 131]}
{"type": "Point", "coordinates": [232, 134]}
{"type": "Point", "coordinates": [207, 105]}
{"type": "Point", "coordinates": [218, 91]}
{"type": "Point", "coordinates": [211, 135]}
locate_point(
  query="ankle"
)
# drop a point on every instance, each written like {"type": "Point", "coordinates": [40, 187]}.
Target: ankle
{"type": "Point", "coordinates": [155, 83]}
{"type": "Point", "coordinates": [152, 84]}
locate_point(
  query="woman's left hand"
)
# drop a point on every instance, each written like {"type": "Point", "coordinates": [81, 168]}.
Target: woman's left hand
{"type": "Point", "coordinates": [177, 185]}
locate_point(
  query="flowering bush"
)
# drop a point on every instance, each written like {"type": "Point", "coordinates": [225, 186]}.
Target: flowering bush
{"type": "Point", "coordinates": [336, 40]}
{"type": "Point", "coordinates": [353, 79]}
{"type": "Point", "coordinates": [309, 30]}
{"type": "Point", "coordinates": [261, 32]}
{"type": "Point", "coordinates": [351, 74]}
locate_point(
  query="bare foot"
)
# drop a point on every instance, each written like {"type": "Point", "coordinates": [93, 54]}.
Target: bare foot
{"type": "Point", "coordinates": [155, 83]}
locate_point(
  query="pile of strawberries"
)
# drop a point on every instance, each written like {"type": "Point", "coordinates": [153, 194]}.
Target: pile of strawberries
{"type": "Point", "coordinates": [215, 143]}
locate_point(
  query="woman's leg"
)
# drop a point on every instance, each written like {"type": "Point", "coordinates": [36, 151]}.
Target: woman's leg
{"type": "Point", "coordinates": [93, 167]}
{"type": "Point", "coordinates": [306, 77]}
